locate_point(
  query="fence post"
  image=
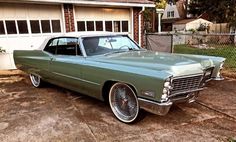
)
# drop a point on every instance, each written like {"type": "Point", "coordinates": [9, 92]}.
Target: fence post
{"type": "Point", "coordinates": [172, 43]}
{"type": "Point", "coordinates": [146, 42]}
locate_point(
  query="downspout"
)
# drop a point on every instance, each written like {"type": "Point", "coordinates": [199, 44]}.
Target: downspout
{"type": "Point", "coordinates": [139, 24]}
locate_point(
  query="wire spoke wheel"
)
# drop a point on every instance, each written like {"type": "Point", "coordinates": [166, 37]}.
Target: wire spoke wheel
{"type": "Point", "coordinates": [123, 102]}
{"type": "Point", "coordinates": [35, 80]}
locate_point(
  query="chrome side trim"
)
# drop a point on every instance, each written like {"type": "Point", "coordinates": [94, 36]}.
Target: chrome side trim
{"type": "Point", "coordinates": [155, 107]}
{"type": "Point", "coordinates": [75, 78]}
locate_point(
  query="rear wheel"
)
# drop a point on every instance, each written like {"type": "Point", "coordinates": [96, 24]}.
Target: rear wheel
{"type": "Point", "coordinates": [36, 80]}
{"type": "Point", "coordinates": [123, 102]}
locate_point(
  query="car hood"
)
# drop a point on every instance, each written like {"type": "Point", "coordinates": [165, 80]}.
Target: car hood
{"type": "Point", "coordinates": [174, 64]}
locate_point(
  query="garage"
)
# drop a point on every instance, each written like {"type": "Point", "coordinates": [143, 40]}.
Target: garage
{"type": "Point", "coordinates": [103, 19]}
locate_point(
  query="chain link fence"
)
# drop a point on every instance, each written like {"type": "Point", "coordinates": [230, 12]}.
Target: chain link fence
{"type": "Point", "coordinates": [223, 45]}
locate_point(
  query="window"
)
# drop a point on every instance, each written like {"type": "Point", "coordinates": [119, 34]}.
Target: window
{"type": "Point", "coordinates": [81, 25]}
{"type": "Point", "coordinates": [108, 25]}
{"type": "Point", "coordinates": [170, 14]}
{"type": "Point", "coordinates": [2, 30]}
{"type": "Point", "coordinates": [116, 26]}
{"type": "Point", "coordinates": [63, 46]}
{"type": "Point", "coordinates": [125, 26]}
{"type": "Point", "coordinates": [99, 26]}
{"type": "Point", "coordinates": [11, 27]}
{"type": "Point", "coordinates": [111, 26]}
{"type": "Point", "coordinates": [51, 46]}
{"type": "Point", "coordinates": [45, 26]}
{"type": "Point", "coordinates": [22, 27]}
{"type": "Point", "coordinates": [90, 25]}
{"type": "Point", "coordinates": [108, 44]}
{"type": "Point", "coordinates": [34, 24]}
{"type": "Point", "coordinates": [56, 26]}
{"type": "Point", "coordinates": [67, 46]}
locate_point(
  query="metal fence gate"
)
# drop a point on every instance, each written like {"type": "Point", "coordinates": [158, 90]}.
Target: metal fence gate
{"type": "Point", "coordinates": [159, 42]}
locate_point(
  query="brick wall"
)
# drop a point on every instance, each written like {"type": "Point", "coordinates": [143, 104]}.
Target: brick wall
{"type": "Point", "coordinates": [136, 12]}
{"type": "Point", "coordinates": [69, 18]}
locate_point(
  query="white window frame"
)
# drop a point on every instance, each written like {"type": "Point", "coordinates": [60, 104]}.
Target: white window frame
{"type": "Point", "coordinates": [104, 25]}
{"type": "Point", "coordinates": [29, 34]}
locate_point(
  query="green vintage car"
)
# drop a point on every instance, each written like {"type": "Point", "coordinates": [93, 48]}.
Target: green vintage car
{"type": "Point", "coordinates": [112, 67]}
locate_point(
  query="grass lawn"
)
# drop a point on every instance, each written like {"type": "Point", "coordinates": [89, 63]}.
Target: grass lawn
{"type": "Point", "coordinates": [228, 52]}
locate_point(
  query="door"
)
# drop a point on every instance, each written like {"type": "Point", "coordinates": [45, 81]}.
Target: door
{"type": "Point", "coordinates": [66, 63]}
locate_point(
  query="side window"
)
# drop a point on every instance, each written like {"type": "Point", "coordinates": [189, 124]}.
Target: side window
{"type": "Point", "coordinates": [68, 46]}
{"type": "Point", "coordinates": [51, 46]}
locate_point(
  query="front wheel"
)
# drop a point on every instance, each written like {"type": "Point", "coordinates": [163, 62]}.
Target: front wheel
{"type": "Point", "coordinates": [123, 102]}
{"type": "Point", "coordinates": [36, 80]}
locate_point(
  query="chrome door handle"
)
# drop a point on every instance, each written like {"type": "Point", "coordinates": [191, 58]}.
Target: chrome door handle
{"type": "Point", "coordinates": [52, 59]}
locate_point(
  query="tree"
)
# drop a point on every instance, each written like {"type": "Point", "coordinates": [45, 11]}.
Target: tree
{"type": "Point", "coordinates": [219, 11]}
{"type": "Point", "coordinates": [161, 4]}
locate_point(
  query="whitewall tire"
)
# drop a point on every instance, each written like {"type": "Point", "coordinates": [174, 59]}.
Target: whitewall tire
{"type": "Point", "coordinates": [124, 102]}
{"type": "Point", "coordinates": [35, 80]}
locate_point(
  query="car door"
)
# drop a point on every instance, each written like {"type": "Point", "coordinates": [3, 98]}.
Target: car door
{"type": "Point", "coordinates": [66, 64]}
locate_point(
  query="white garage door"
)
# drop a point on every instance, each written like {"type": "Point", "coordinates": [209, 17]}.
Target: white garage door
{"type": "Point", "coordinates": [27, 23]}
{"type": "Point", "coordinates": [103, 19]}
{"type": "Point", "coordinates": [25, 26]}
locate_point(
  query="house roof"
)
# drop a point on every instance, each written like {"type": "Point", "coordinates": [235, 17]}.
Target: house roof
{"type": "Point", "coordinates": [184, 21]}
{"type": "Point", "coordinates": [171, 20]}
{"type": "Point", "coordinates": [126, 3]}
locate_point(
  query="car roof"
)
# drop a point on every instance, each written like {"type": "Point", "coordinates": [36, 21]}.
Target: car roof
{"type": "Point", "coordinates": [87, 34]}
{"type": "Point", "coordinates": [78, 34]}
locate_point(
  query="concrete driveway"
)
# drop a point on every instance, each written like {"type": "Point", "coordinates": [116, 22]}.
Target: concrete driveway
{"type": "Point", "coordinates": [55, 114]}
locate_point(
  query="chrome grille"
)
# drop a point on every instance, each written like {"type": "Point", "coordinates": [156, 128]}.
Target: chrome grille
{"type": "Point", "coordinates": [186, 84]}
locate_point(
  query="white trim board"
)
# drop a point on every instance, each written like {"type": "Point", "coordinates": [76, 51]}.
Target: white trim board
{"type": "Point", "coordinates": [84, 2]}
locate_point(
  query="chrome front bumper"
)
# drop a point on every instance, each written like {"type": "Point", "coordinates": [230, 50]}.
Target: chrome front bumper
{"type": "Point", "coordinates": [155, 107]}
{"type": "Point", "coordinates": [162, 108]}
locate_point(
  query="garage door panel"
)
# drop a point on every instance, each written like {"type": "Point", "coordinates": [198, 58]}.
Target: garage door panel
{"type": "Point", "coordinates": [44, 12]}
{"type": "Point", "coordinates": [83, 13]}
{"type": "Point", "coordinates": [33, 11]}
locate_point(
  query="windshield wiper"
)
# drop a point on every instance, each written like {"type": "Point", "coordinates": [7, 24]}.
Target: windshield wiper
{"type": "Point", "coordinates": [133, 49]}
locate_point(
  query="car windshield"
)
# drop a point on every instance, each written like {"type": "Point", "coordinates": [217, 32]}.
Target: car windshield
{"type": "Point", "coordinates": [108, 45]}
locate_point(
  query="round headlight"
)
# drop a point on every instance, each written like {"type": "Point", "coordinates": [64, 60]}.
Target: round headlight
{"type": "Point", "coordinates": [164, 97]}
{"type": "Point", "coordinates": [167, 84]}
{"type": "Point", "coordinates": [165, 91]}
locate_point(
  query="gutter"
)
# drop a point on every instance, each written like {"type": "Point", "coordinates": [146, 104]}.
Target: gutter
{"type": "Point", "coordinates": [139, 24]}
{"type": "Point", "coordinates": [84, 2]}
